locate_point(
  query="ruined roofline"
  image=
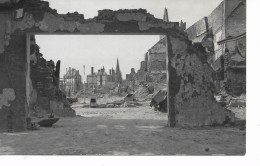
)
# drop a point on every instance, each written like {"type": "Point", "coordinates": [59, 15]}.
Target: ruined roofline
{"type": "Point", "coordinates": [106, 15]}
{"type": "Point", "coordinates": [207, 16]}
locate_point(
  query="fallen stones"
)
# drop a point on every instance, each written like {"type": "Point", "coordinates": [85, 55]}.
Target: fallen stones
{"type": "Point", "coordinates": [48, 122]}
{"type": "Point", "coordinates": [110, 106]}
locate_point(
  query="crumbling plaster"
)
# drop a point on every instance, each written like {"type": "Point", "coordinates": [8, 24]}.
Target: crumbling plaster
{"type": "Point", "coordinates": [193, 101]}
{"type": "Point", "coordinates": [7, 96]}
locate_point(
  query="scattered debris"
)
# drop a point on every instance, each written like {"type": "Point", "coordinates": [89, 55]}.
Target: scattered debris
{"type": "Point", "coordinates": [72, 100]}
{"type": "Point", "coordinates": [159, 101]}
{"type": "Point", "coordinates": [48, 122]}
{"type": "Point", "coordinates": [32, 125]}
{"type": "Point", "coordinates": [129, 97]}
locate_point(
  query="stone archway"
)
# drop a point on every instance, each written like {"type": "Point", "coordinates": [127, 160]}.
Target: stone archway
{"type": "Point", "coordinates": [190, 84]}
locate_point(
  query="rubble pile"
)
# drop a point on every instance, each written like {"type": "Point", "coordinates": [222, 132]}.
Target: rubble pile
{"type": "Point", "coordinates": [145, 91]}
{"type": "Point", "coordinates": [159, 101]}
{"type": "Point", "coordinates": [107, 14]}
{"type": "Point", "coordinates": [46, 97]}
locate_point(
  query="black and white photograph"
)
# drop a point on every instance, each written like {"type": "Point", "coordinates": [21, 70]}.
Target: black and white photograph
{"type": "Point", "coordinates": [123, 77]}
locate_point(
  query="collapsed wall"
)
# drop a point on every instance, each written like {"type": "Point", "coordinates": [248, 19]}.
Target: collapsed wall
{"type": "Point", "coordinates": [192, 87]}
{"type": "Point", "coordinates": [189, 78]}
{"type": "Point", "coordinates": [46, 97]}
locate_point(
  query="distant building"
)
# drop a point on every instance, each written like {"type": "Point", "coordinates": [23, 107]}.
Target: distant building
{"type": "Point", "coordinates": [92, 79]}
{"type": "Point", "coordinates": [156, 61]}
{"type": "Point", "coordinates": [71, 82]}
{"type": "Point", "coordinates": [131, 76]}
{"type": "Point", "coordinates": [131, 79]}
{"type": "Point", "coordinates": [103, 79]}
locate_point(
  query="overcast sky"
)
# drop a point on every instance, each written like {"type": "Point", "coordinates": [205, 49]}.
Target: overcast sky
{"type": "Point", "coordinates": [98, 51]}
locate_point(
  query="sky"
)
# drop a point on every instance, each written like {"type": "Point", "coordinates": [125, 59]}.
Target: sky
{"type": "Point", "coordinates": [103, 50]}
{"type": "Point", "coordinates": [96, 50]}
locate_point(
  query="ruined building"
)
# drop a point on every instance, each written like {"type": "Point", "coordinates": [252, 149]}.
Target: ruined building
{"type": "Point", "coordinates": [223, 35]}
{"type": "Point", "coordinates": [153, 68]}
{"type": "Point", "coordinates": [92, 79]}
{"type": "Point", "coordinates": [131, 80]}
{"type": "Point", "coordinates": [156, 61]}
{"type": "Point", "coordinates": [190, 95]}
{"type": "Point", "coordinates": [102, 79]}
{"type": "Point", "coordinates": [46, 96]}
{"type": "Point", "coordinates": [71, 82]}
{"type": "Point", "coordinates": [131, 76]}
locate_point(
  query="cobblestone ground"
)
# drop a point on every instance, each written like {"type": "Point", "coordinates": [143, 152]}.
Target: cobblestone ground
{"type": "Point", "coordinates": [124, 131]}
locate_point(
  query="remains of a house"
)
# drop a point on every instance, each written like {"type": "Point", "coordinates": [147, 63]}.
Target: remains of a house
{"type": "Point", "coordinates": [103, 79]}
{"type": "Point", "coordinates": [193, 77]}
{"type": "Point", "coordinates": [71, 83]}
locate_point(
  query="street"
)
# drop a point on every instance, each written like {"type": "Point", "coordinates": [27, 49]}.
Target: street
{"type": "Point", "coordinates": [123, 131]}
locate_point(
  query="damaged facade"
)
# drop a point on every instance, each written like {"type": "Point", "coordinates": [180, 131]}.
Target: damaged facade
{"type": "Point", "coordinates": [190, 100]}
{"type": "Point", "coordinates": [71, 82]}
{"type": "Point", "coordinates": [102, 79]}
{"type": "Point", "coordinates": [153, 67]}
{"type": "Point", "coordinates": [131, 81]}
{"type": "Point", "coordinates": [223, 34]}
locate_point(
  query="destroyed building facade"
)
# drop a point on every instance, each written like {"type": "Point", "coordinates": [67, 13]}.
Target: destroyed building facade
{"type": "Point", "coordinates": [153, 67]}
{"type": "Point", "coordinates": [131, 80]}
{"type": "Point", "coordinates": [190, 88]}
{"type": "Point", "coordinates": [223, 34]}
{"type": "Point", "coordinates": [103, 79]}
{"type": "Point", "coordinates": [71, 83]}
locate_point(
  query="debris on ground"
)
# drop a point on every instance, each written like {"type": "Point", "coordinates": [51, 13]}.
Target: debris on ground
{"type": "Point", "coordinates": [142, 92]}
{"type": "Point", "coordinates": [32, 125]}
{"type": "Point", "coordinates": [72, 100]}
{"type": "Point", "coordinates": [237, 104]}
{"type": "Point", "coordinates": [48, 122]}
{"type": "Point", "coordinates": [159, 101]}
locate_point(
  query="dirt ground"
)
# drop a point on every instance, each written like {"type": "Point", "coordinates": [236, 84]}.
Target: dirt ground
{"type": "Point", "coordinates": [123, 131]}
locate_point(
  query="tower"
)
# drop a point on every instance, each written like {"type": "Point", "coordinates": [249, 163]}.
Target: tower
{"type": "Point", "coordinates": [118, 73]}
{"type": "Point", "coordinates": [165, 19]}
{"type": "Point", "coordinates": [165, 16]}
